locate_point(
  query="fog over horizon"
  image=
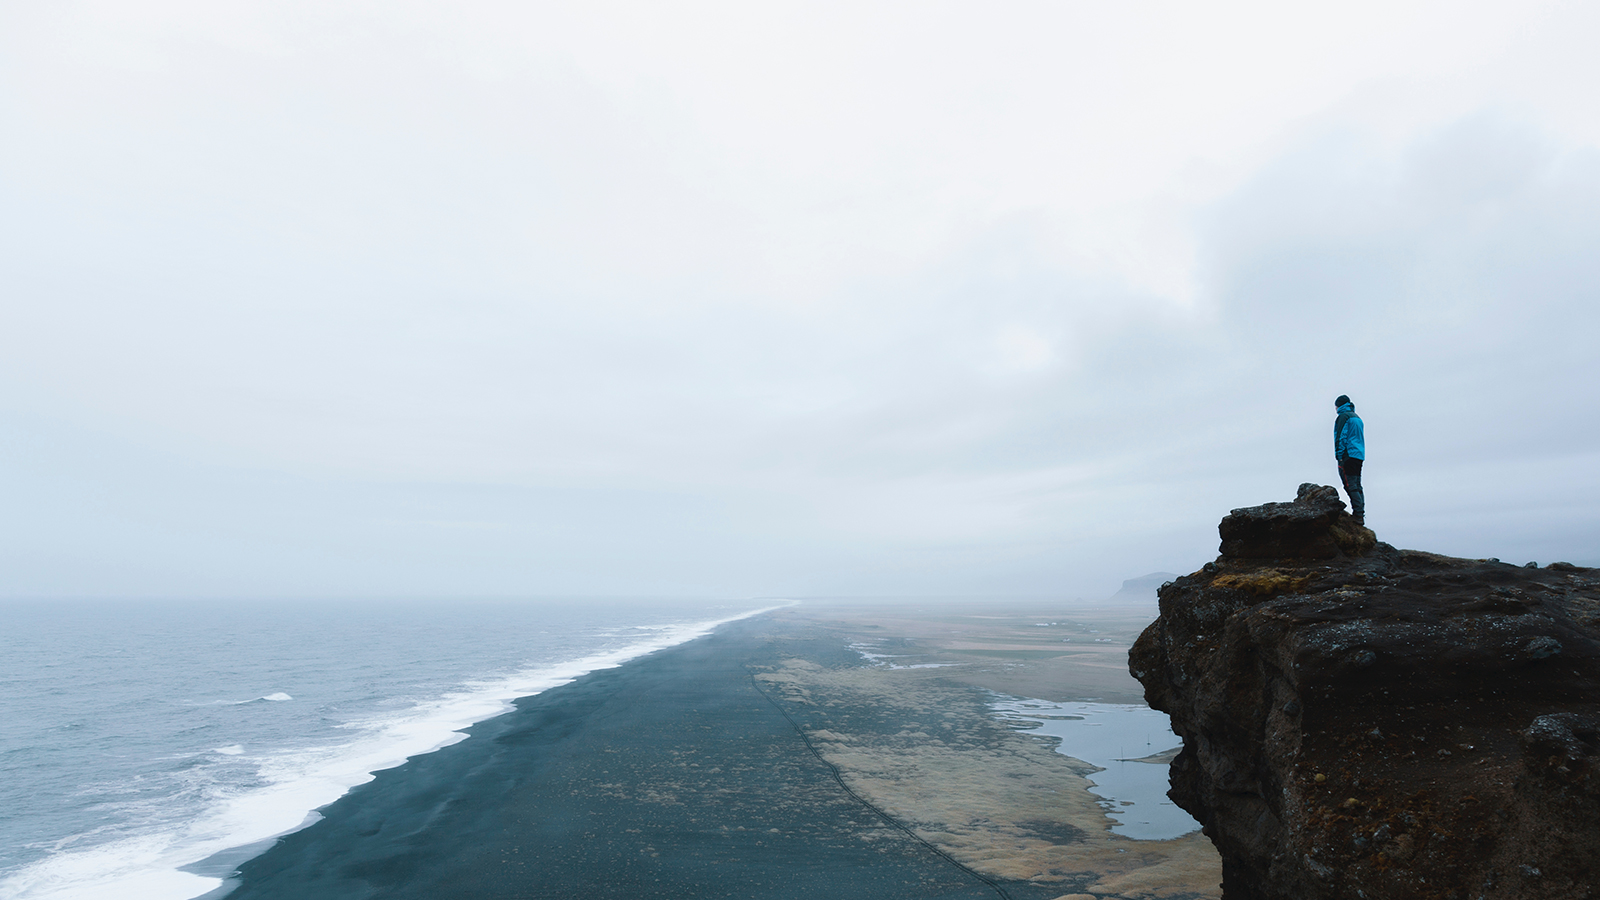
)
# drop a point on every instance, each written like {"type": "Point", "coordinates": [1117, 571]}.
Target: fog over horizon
{"type": "Point", "coordinates": [506, 300]}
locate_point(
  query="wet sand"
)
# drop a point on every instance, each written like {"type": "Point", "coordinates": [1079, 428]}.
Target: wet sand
{"type": "Point", "coordinates": [767, 760]}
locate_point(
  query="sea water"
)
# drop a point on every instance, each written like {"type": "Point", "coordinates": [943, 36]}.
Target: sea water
{"type": "Point", "coordinates": [146, 747]}
{"type": "Point", "coordinates": [1114, 737]}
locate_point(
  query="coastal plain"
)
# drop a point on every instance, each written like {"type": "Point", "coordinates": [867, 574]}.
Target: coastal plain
{"type": "Point", "coordinates": [819, 750]}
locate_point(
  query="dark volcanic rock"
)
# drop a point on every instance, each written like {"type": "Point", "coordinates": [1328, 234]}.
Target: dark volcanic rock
{"type": "Point", "coordinates": [1313, 526]}
{"type": "Point", "coordinates": [1362, 721]}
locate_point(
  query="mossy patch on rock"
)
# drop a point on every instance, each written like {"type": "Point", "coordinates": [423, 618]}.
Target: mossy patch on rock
{"type": "Point", "coordinates": [1264, 582]}
{"type": "Point", "coordinates": [1352, 539]}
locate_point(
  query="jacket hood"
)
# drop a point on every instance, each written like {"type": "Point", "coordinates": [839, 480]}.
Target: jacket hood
{"type": "Point", "coordinates": [1348, 408]}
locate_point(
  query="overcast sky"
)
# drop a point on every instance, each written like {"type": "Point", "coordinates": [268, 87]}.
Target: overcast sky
{"type": "Point", "coordinates": [769, 299]}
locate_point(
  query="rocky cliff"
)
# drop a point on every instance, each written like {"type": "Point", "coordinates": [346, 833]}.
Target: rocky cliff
{"type": "Point", "coordinates": [1365, 722]}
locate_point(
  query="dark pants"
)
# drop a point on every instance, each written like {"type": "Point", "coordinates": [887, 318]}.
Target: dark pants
{"type": "Point", "coordinates": [1350, 474]}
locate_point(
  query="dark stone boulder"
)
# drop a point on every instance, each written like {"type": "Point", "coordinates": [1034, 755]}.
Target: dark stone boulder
{"type": "Point", "coordinates": [1312, 526]}
{"type": "Point", "coordinates": [1362, 721]}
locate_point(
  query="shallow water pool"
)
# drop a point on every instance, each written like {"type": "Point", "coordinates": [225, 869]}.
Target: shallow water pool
{"type": "Point", "coordinates": [1114, 737]}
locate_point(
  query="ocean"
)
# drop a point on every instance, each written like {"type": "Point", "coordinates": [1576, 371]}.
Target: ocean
{"type": "Point", "coordinates": [148, 747]}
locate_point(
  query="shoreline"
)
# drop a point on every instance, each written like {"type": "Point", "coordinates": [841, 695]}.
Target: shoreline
{"type": "Point", "coordinates": [222, 775]}
{"type": "Point", "coordinates": [706, 770]}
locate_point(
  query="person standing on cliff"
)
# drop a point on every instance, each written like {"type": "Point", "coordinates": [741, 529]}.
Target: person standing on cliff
{"type": "Point", "coordinates": [1350, 451]}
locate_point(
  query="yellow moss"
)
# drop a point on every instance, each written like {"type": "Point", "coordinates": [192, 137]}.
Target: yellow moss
{"type": "Point", "coordinates": [1265, 583]}
{"type": "Point", "coordinates": [1353, 539]}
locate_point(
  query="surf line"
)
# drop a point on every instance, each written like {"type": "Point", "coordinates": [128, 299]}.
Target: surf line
{"type": "Point", "coordinates": [891, 820]}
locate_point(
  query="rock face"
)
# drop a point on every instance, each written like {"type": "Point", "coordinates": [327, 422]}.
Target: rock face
{"type": "Point", "coordinates": [1365, 722]}
{"type": "Point", "coordinates": [1314, 526]}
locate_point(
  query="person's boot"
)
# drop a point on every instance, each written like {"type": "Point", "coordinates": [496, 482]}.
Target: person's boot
{"type": "Point", "coordinates": [1361, 519]}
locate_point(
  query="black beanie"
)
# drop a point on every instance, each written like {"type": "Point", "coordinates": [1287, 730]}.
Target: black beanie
{"type": "Point", "coordinates": [1343, 399]}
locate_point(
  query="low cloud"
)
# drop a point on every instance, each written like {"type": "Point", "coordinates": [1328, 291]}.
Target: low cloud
{"type": "Point", "coordinates": [521, 323]}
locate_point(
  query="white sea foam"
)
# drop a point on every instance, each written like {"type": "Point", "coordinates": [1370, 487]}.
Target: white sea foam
{"type": "Point", "coordinates": [293, 784]}
{"type": "Point", "coordinates": [279, 697]}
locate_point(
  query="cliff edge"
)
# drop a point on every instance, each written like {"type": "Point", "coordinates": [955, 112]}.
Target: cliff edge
{"type": "Point", "coordinates": [1365, 722]}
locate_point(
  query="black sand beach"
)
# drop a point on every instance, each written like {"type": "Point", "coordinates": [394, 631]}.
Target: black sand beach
{"type": "Point", "coordinates": [709, 770]}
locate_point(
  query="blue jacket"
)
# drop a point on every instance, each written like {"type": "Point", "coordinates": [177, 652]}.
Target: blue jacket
{"type": "Point", "coordinates": [1349, 441]}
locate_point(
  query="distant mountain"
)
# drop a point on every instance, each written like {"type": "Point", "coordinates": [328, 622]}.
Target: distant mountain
{"type": "Point", "coordinates": [1144, 587]}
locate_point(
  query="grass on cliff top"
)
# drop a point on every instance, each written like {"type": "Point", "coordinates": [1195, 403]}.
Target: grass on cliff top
{"type": "Point", "coordinates": [1265, 583]}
